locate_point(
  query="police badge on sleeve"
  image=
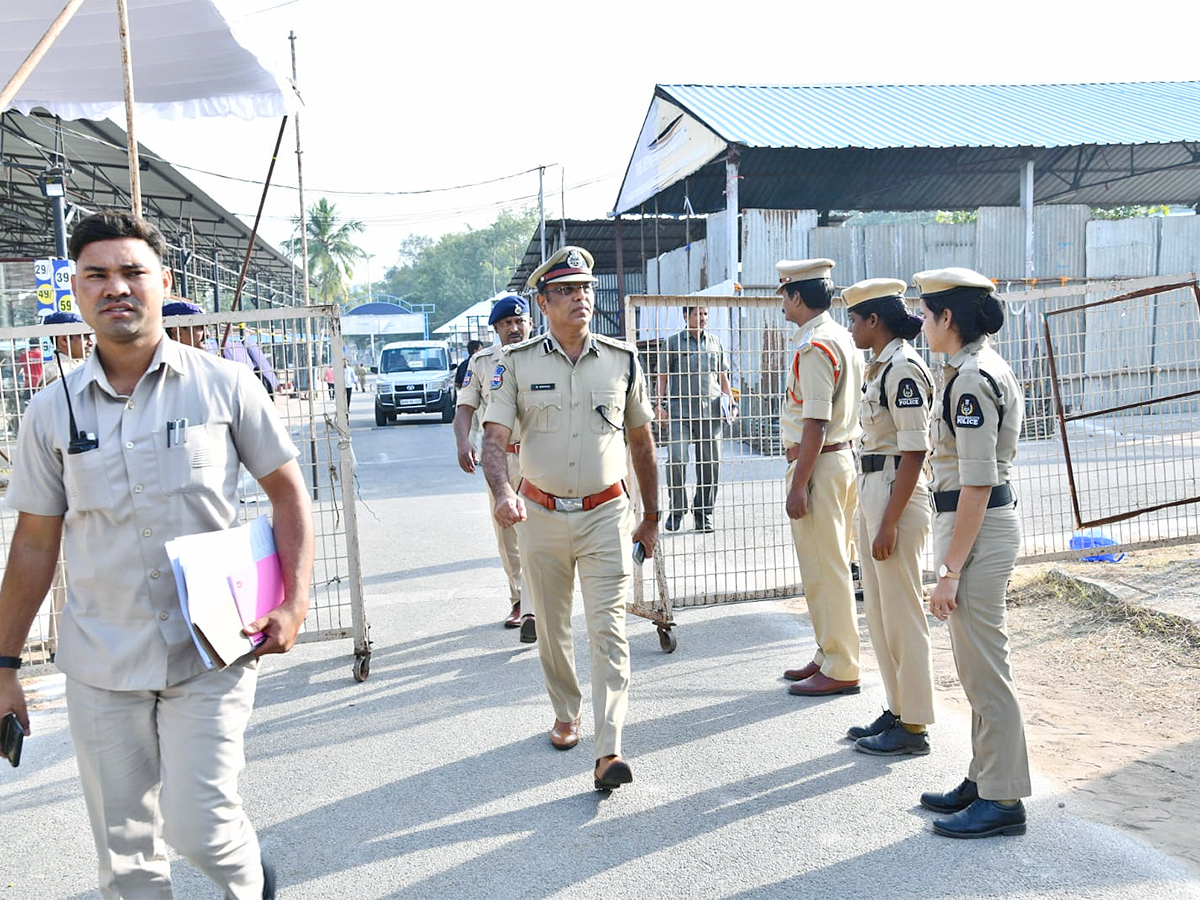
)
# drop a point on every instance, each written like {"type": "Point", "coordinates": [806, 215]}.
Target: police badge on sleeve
{"type": "Point", "coordinates": [498, 377]}
{"type": "Point", "coordinates": [467, 378]}
{"type": "Point", "coordinates": [968, 414]}
{"type": "Point", "coordinates": [907, 395]}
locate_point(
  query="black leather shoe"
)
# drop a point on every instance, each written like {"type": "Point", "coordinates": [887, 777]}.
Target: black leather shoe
{"type": "Point", "coordinates": [896, 741]}
{"type": "Point", "coordinates": [704, 526]}
{"type": "Point", "coordinates": [674, 520]}
{"type": "Point", "coordinates": [612, 772]}
{"type": "Point", "coordinates": [268, 879]}
{"type": "Point", "coordinates": [951, 801]}
{"type": "Point", "coordinates": [528, 629]}
{"type": "Point", "coordinates": [983, 818]}
{"type": "Point", "coordinates": [886, 720]}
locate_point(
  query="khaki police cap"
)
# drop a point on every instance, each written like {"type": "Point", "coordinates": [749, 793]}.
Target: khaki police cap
{"type": "Point", "coordinates": [570, 265]}
{"type": "Point", "coordinates": [793, 270]}
{"type": "Point", "coordinates": [873, 289]}
{"type": "Point", "coordinates": [937, 280]}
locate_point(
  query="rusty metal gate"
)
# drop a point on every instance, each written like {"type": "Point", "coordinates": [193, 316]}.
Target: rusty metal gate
{"type": "Point", "coordinates": [291, 350]}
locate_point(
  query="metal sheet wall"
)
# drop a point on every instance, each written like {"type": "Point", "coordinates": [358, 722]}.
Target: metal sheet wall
{"type": "Point", "coordinates": [769, 235]}
{"type": "Point", "coordinates": [893, 251]}
{"type": "Point", "coordinates": [1127, 248]}
{"type": "Point", "coordinates": [1179, 245]}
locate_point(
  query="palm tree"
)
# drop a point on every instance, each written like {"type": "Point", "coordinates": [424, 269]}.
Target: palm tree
{"type": "Point", "coordinates": [331, 250]}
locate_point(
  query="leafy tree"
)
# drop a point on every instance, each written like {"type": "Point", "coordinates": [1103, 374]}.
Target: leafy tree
{"type": "Point", "coordinates": [331, 250]}
{"type": "Point", "coordinates": [1128, 212]}
{"type": "Point", "coordinates": [459, 269]}
{"type": "Point", "coordinates": [957, 216]}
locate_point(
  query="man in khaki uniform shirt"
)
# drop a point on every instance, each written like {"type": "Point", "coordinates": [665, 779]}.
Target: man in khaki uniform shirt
{"type": "Point", "coordinates": [510, 320]}
{"type": "Point", "coordinates": [158, 737]}
{"type": "Point", "coordinates": [818, 421]}
{"type": "Point", "coordinates": [580, 400]}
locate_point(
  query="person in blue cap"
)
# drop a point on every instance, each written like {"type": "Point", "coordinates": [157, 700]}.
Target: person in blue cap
{"type": "Point", "coordinates": [510, 320]}
{"type": "Point", "coordinates": [71, 349]}
{"type": "Point", "coordinates": [192, 335]}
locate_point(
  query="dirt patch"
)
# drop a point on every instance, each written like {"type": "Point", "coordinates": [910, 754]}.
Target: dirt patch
{"type": "Point", "coordinates": [1111, 695]}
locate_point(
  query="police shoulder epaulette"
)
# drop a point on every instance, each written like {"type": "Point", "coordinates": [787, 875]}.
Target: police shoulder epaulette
{"type": "Point", "coordinates": [523, 345]}
{"type": "Point", "coordinates": [614, 342]}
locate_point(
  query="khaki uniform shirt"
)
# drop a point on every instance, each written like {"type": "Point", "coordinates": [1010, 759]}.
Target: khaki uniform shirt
{"type": "Point", "coordinates": [476, 391]}
{"type": "Point", "coordinates": [979, 450]}
{"type": "Point", "coordinates": [572, 415]}
{"type": "Point", "coordinates": [824, 382]}
{"type": "Point", "coordinates": [896, 400]}
{"type": "Point", "coordinates": [693, 366]}
{"type": "Point", "coordinates": [69, 365]}
{"type": "Point", "coordinates": [121, 628]}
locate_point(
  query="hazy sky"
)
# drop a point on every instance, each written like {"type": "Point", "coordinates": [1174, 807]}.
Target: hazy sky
{"type": "Point", "coordinates": [419, 96]}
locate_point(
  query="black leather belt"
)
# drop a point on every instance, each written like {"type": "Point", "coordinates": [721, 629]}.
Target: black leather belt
{"type": "Point", "coordinates": [874, 462]}
{"type": "Point", "coordinates": [947, 501]}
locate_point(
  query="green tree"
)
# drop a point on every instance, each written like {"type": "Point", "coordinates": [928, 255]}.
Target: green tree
{"type": "Point", "coordinates": [460, 269]}
{"type": "Point", "coordinates": [331, 250]}
{"type": "Point", "coordinates": [1128, 212]}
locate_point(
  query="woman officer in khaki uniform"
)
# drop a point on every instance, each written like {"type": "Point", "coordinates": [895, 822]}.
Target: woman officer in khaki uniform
{"type": "Point", "coordinates": [893, 513]}
{"type": "Point", "coordinates": [977, 533]}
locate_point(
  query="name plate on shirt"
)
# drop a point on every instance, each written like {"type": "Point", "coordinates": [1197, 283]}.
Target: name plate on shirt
{"type": "Point", "coordinates": [542, 387]}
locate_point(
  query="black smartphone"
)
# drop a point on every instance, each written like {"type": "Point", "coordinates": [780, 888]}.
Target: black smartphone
{"type": "Point", "coordinates": [12, 736]}
{"type": "Point", "coordinates": [639, 552]}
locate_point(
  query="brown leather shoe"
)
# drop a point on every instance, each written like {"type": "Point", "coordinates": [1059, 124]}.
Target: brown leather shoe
{"type": "Point", "coordinates": [821, 685]}
{"type": "Point", "coordinates": [800, 674]}
{"type": "Point", "coordinates": [514, 617]}
{"type": "Point", "coordinates": [564, 735]}
{"type": "Point", "coordinates": [611, 772]}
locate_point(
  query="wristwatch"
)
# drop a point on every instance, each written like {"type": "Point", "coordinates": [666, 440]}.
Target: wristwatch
{"type": "Point", "coordinates": [944, 571]}
{"type": "Point", "coordinates": [10, 662]}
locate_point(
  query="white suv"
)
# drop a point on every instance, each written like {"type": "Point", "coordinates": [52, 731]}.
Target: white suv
{"type": "Point", "coordinates": [414, 377]}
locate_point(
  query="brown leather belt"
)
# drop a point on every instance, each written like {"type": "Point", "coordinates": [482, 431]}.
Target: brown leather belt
{"type": "Point", "coordinates": [514, 448]}
{"type": "Point", "coordinates": [571, 504]}
{"type": "Point", "coordinates": [793, 452]}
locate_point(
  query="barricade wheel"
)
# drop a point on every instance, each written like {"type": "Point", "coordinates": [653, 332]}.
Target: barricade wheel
{"type": "Point", "coordinates": [666, 639]}
{"type": "Point", "coordinates": [362, 667]}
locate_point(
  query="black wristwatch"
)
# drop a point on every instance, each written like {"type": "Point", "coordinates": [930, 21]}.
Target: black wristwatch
{"type": "Point", "coordinates": [10, 662]}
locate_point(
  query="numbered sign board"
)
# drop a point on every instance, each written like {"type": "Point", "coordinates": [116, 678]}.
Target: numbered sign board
{"type": "Point", "coordinates": [53, 279]}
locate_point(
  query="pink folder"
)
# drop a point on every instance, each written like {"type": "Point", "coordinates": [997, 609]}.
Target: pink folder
{"type": "Point", "coordinates": [257, 589]}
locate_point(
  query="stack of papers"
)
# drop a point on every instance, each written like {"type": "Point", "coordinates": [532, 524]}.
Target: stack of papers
{"type": "Point", "coordinates": [226, 580]}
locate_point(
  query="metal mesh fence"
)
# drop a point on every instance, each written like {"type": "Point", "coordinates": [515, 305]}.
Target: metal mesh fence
{"type": "Point", "coordinates": [1126, 372]}
{"type": "Point", "coordinates": [291, 351]}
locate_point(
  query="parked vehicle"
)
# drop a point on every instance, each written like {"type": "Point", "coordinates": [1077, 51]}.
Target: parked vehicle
{"type": "Point", "coordinates": [414, 377]}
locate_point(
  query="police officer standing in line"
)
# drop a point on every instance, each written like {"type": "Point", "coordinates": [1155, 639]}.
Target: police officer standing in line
{"type": "Point", "coordinates": [893, 513]}
{"type": "Point", "coordinates": [818, 421]}
{"type": "Point", "coordinates": [510, 320]}
{"type": "Point", "coordinates": [693, 377]}
{"type": "Point", "coordinates": [976, 536]}
{"type": "Point", "coordinates": [580, 399]}
{"type": "Point", "coordinates": [70, 349]}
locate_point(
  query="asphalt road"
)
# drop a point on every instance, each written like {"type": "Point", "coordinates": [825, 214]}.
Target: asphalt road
{"type": "Point", "coordinates": [434, 778]}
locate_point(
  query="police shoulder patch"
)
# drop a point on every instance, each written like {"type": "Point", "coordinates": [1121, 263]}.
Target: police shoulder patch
{"type": "Point", "coordinates": [498, 377]}
{"type": "Point", "coordinates": [907, 394]}
{"type": "Point", "coordinates": [968, 414]}
{"type": "Point", "coordinates": [467, 378]}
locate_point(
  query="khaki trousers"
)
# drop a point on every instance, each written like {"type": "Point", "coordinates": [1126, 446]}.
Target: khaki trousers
{"type": "Point", "coordinates": [893, 599]}
{"type": "Point", "coordinates": [979, 638]}
{"type": "Point", "coordinates": [599, 543]}
{"type": "Point", "coordinates": [161, 766]}
{"type": "Point", "coordinates": [822, 541]}
{"type": "Point", "coordinates": [506, 538]}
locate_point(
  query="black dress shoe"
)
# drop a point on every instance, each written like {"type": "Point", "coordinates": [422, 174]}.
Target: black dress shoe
{"type": "Point", "coordinates": [896, 741]}
{"type": "Point", "coordinates": [983, 818]}
{"type": "Point", "coordinates": [611, 773]}
{"type": "Point", "coordinates": [886, 720]}
{"type": "Point", "coordinates": [952, 801]}
{"type": "Point", "coordinates": [528, 629]}
{"type": "Point", "coordinates": [674, 520]}
{"type": "Point", "coordinates": [704, 526]}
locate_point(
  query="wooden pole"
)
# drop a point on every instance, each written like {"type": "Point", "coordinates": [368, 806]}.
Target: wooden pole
{"type": "Point", "coordinates": [135, 170]}
{"type": "Point", "coordinates": [35, 55]}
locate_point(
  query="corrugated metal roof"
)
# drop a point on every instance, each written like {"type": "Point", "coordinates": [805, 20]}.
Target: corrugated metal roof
{"type": "Point", "coordinates": [900, 116]}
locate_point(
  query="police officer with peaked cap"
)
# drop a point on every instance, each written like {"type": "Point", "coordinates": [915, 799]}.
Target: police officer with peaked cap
{"type": "Point", "coordinates": [510, 320]}
{"type": "Point", "coordinates": [580, 401]}
{"type": "Point", "coordinates": [818, 422]}
{"type": "Point", "coordinates": [893, 513]}
{"type": "Point", "coordinates": [976, 537]}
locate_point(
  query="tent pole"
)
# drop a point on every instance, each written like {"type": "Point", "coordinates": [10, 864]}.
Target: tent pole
{"type": "Point", "coordinates": [35, 55]}
{"type": "Point", "coordinates": [135, 167]}
{"type": "Point", "coordinates": [300, 182]}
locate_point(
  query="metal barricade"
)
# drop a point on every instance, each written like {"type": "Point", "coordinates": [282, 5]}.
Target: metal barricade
{"type": "Point", "coordinates": [290, 350]}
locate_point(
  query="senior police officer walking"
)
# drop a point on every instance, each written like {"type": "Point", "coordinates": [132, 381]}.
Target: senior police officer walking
{"type": "Point", "coordinates": [693, 382]}
{"type": "Point", "coordinates": [158, 737]}
{"type": "Point", "coordinates": [818, 421]}
{"type": "Point", "coordinates": [510, 320]}
{"type": "Point", "coordinates": [579, 398]}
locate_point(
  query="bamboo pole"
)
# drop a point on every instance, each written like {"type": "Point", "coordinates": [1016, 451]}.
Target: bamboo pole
{"type": "Point", "coordinates": [135, 169]}
{"type": "Point", "coordinates": [35, 55]}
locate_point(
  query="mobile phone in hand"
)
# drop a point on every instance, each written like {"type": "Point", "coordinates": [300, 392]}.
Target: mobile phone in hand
{"type": "Point", "coordinates": [12, 736]}
{"type": "Point", "coordinates": [639, 552]}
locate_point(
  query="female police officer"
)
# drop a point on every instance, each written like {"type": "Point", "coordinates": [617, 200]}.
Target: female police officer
{"type": "Point", "coordinates": [893, 513]}
{"type": "Point", "coordinates": [976, 537]}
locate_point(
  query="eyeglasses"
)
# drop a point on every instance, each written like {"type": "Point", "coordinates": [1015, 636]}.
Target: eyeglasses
{"type": "Point", "coordinates": [568, 290]}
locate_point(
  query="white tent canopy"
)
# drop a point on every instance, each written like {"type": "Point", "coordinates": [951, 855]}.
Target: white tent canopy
{"type": "Point", "coordinates": [187, 62]}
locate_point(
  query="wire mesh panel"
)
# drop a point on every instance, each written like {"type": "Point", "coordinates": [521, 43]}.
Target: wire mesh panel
{"type": "Point", "coordinates": [297, 355]}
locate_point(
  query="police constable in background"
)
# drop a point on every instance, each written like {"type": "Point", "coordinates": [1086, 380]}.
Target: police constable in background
{"type": "Point", "coordinates": [976, 536]}
{"type": "Point", "coordinates": [893, 513]}
{"type": "Point", "coordinates": [510, 320]}
{"type": "Point", "coordinates": [818, 421]}
{"type": "Point", "coordinates": [579, 399]}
